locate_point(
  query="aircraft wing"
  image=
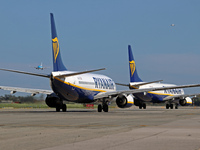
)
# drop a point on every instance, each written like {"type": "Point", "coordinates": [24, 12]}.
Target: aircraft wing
{"type": "Point", "coordinates": [48, 76]}
{"type": "Point", "coordinates": [140, 84]}
{"type": "Point", "coordinates": [29, 73]}
{"type": "Point", "coordinates": [26, 90]}
{"type": "Point", "coordinates": [134, 91]}
{"type": "Point", "coordinates": [179, 96]}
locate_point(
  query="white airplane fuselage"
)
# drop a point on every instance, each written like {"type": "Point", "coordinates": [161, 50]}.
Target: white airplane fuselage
{"type": "Point", "coordinates": [155, 96]}
{"type": "Point", "coordinates": [80, 88]}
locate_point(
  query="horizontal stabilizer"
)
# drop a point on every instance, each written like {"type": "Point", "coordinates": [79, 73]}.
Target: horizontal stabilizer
{"type": "Point", "coordinates": [122, 84]}
{"type": "Point", "coordinates": [29, 73]}
{"type": "Point", "coordinates": [144, 83]}
{"type": "Point", "coordinates": [138, 84]}
{"type": "Point", "coordinates": [78, 73]}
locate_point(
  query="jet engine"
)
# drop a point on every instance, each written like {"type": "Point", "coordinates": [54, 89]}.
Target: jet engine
{"type": "Point", "coordinates": [53, 100]}
{"type": "Point", "coordinates": [124, 101]}
{"type": "Point", "coordinates": [186, 101]}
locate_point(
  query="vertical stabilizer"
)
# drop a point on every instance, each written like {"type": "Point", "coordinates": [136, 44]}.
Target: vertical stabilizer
{"type": "Point", "coordinates": [132, 67]}
{"type": "Point", "coordinates": [57, 61]}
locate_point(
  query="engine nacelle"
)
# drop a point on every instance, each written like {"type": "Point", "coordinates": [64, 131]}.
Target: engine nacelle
{"type": "Point", "coordinates": [186, 101]}
{"type": "Point", "coordinates": [124, 101]}
{"type": "Point", "coordinates": [53, 100]}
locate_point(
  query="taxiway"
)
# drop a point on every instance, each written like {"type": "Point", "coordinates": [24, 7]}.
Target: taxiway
{"type": "Point", "coordinates": [153, 128]}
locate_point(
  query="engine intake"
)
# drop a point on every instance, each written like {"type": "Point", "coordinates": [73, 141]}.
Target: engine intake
{"type": "Point", "coordinates": [186, 101]}
{"type": "Point", "coordinates": [124, 101]}
{"type": "Point", "coordinates": [53, 100]}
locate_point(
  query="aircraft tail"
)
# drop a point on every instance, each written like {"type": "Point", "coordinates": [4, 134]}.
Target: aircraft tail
{"type": "Point", "coordinates": [57, 61]}
{"type": "Point", "coordinates": [132, 67]}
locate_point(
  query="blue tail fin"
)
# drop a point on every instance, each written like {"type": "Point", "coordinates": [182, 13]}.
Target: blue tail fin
{"type": "Point", "coordinates": [57, 61]}
{"type": "Point", "coordinates": [132, 67]}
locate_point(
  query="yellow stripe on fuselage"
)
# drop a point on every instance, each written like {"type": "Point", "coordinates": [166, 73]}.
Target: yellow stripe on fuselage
{"type": "Point", "coordinates": [79, 86]}
{"type": "Point", "coordinates": [154, 92]}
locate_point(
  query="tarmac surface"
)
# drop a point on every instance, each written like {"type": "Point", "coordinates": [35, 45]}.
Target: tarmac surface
{"type": "Point", "coordinates": [128, 129]}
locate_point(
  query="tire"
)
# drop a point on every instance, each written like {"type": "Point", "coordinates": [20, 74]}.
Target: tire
{"type": "Point", "coordinates": [140, 106]}
{"type": "Point", "coordinates": [144, 106]}
{"type": "Point", "coordinates": [167, 106]}
{"type": "Point", "coordinates": [171, 106]}
{"type": "Point", "coordinates": [105, 108]}
{"type": "Point", "coordinates": [57, 108]}
{"type": "Point", "coordinates": [99, 108]}
{"type": "Point", "coordinates": [64, 108]}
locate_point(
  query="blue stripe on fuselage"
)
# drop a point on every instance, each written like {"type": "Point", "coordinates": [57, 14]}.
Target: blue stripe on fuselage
{"type": "Point", "coordinates": [149, 97]}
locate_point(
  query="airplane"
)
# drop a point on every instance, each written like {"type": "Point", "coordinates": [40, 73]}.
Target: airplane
{"type": "Point", "coordinates": [40, 67]}
{"type": "Point", "coordinates": [168, 96]}
{"type": "Point", "coordinates": [80, 86]}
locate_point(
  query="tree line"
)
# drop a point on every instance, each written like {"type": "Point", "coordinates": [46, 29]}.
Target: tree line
{"type": "Point", "coordinates": [21, 99]}
{"type": "Point", "coordinates": [33, 99]}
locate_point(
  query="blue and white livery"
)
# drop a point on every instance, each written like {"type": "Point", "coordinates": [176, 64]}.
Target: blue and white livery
{"type": "Point", "coordinates": [168, 96]}
{"type": "Point", "coordinates": [81, 87]}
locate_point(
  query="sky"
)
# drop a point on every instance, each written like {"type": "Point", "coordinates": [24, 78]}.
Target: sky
{"type": "Point", "coordinates": [95, 34]}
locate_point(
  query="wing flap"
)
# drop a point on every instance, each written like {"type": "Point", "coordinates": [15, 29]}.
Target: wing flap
{"type": "Point", "coordinates": [138, 84]}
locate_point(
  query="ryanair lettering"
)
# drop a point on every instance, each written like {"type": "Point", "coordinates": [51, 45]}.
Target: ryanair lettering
{"type": "Point", "coordinates": [102, 83]}
{"type": "Point", "coordinates": [173, 91]}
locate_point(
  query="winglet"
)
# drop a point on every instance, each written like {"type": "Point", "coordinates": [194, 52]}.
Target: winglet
{"type": "Point", "coordinates": [132, 67]}
{"type": "Point", "coordinates": [57, 61]}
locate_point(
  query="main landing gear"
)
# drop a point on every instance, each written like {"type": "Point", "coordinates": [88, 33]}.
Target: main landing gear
{"type": "Point", "coordinates": [142, 105]}
{"type": "Point", "coordinates": [103, 106]}
{"type": "Point", "coordinates": [171, 106]}
{"type": "Point", "coordinates": [61, 106]}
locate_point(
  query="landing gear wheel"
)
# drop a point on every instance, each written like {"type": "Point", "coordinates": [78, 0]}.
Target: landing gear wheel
{"type": "Point", "coordinates": [99, 108]}
{"type": "Point", "coordinates": [57, 108]}
{"type": "Point", "coordinates": [167, 106]}
{"type": "Point", "coordinates": [140, 106]}
{"type": "Point", "coordinates": [144, 106]}
{"type": "Point", "coordinates": [171, 106]}
{"type": "Point", "coordinates": [176, 106]}
{"type": "Point", "coordinates": [105, 107]}
{"type": "Point", "coordinates": [64, 108]}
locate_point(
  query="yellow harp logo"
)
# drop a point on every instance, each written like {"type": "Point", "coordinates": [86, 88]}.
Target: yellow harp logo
{"type": "Point", "coordinates": [132, 67]}
{"type": "Point", "coordinates": [55, 47]}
